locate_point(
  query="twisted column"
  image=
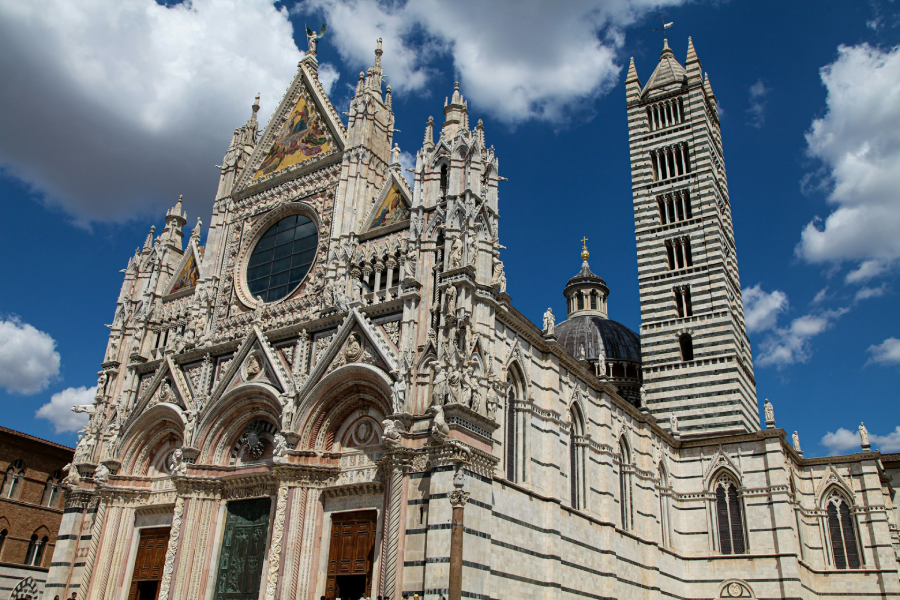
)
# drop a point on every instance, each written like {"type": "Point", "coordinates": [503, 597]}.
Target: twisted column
{"type": "Point", "coordinates": [96, 527]}
{"type": "Point", "coordinates": [169, 565]}
{"type": "Point", "coordinates": [275, 548]}
{"type": "Point", "coordinates": [392, 532]}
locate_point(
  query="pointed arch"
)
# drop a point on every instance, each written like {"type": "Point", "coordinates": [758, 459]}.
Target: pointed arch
{"type": "Point", "coordinates": [665, 499]}
{"type": "Point", "coordinates": [728, 508]}
{"type": "Point", "coordinates": [841, 530]}
{"type": "Point", "coordinates": [577, 456]}
{"type": "Point", "coordinates": [514, 434]}
{"type": "Point", "coordinates": [626, 502]}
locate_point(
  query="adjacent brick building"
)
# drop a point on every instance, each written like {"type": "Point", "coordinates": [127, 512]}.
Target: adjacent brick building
{"type": "Point", "coordinates": [31, 508]}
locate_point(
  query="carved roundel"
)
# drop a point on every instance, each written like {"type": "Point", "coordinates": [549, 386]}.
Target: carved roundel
{"type": "Point", "coordinates": [280, 254]}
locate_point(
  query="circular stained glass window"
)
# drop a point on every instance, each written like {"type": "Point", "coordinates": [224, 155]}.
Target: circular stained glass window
{"type": "Point", "coordinates": [282, 257]}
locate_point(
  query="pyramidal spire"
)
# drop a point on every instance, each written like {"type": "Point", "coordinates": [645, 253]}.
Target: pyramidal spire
{"type": "Point", "coordinates": [692, 64]}
{"type": "Point", "coordinates": [632, 83]}
{"type": "Point", "coordinates": [148, 242]}
{"type": "Point", "coordinates": [456, 114]}
{"type": "Point", "coordinates": [428, 142]}
{"type": "Point", "coordinates": [375, 73]}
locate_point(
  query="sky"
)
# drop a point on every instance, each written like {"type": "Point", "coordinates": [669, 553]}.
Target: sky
{"type": "Point", "coordinates": [111, 109]}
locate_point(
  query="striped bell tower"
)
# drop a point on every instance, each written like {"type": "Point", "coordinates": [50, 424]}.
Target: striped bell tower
{"type": "Point", "coordinates": [694, 349]}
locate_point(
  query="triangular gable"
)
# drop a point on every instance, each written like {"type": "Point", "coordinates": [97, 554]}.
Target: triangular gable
{"type": "Point", "coordinates": [392, 206]}
{"type": "Point", "coordinates": [176, 392]}
{"type": "Point", "coordinates": [354, 322]}
{"type": "Point", "coordinates": [257, 344]}
{"type": "Point", "coordinates": [187, 274]}
{"type": "Point", "coordinates": [720, 460]}
{"type": "Point", "coordinates": [304, 130]}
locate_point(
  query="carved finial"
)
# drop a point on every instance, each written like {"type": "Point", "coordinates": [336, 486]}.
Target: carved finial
{"type": "Point", "coordinates": [255, 107]}
{"type": "Point", "coordinates": [387, 97]}
{"type": "Point", "coordinates": [361, 83]}
{"type": "Point", "coordinates": [584, 251]}
{"type": "Point", "coordinates": [148, 243]}
{"type": "Point", "coordinates": [429, 133]}
{"type": "Point", "coordinates": [195, 233]}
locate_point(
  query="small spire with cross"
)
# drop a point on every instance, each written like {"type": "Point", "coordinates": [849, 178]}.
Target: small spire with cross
{"type": "Point", "coordinates": [584, 251]}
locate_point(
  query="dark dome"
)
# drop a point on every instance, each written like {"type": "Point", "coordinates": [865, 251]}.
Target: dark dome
{"type": "Point", "coordinates": [617, 341]}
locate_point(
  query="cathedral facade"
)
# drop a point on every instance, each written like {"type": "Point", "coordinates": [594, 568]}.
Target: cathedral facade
{"type": "Point", "coordinates": [335, 396]}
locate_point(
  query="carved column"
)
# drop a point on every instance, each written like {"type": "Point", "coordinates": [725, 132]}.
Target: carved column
{"type": "Point", "coordinates": [96, 528]}
{"type": "Point", "coordinates": [395, 466]}
{"type": "Point", "coordinates": [458, 499]}
{"type": "Point", "coordinates": [169, 565]}
{"type": "Point", "coordinates": [275, 547]}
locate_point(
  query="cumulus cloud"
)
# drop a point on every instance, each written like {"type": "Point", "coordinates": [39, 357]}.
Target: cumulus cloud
{"type": "Point", "coordinates": [858, 143]}
{"type": "Point", "coordinates": [864, 293]}
{"type": "Point", "coordinates": [793, 344]}
{"type": "Point", "coordinates": [885, 353]}
{"type": "Point", "coordinates": [546, 59]}
{"type": "Point", "coordinates": [59, 410]}
{"type": "Point", "coordinates": [112, 109]}
{"type": "Point", "coordinates": [28, 357]}
{"type": "Point", "coordinates": [844, 440]}
{"type": "Point", "coordinates": [758, 99]}
{"type": "Point", "coordinates": [761, 309]}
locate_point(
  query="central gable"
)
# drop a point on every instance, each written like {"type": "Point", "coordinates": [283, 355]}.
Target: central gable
{"type": "Point", "coordinates": [304, 131]}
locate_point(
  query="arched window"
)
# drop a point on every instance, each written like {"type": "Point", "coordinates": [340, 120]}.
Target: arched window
{"type": "Point", "coordinates": [445, 181]}
{"type": "Point", "coordinates": [12, 483]}
{"type": "Point", "coordinates": [842, 532]}
{"type": "Point", "coordinates": [511, 437]}
{"type": "Point", "coordinates": [729, 517]}
{"type": "Point", "coordinates": [686, 344]}
{"type": "Point", "coordinates": [664, 496]}
{"type": "Point", "coordinates": [33, 546]}
{"type": "Point", "coordinates": [625, 502]}
{"type": "Point", "coordinates": [51, 490]}
{"type": "Point", "coordinates": [3, 534]}
{"type": "Point", "coordinates": [576, 458]}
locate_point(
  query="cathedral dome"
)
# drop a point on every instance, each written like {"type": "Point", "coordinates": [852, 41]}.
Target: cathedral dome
{"type": "Point", "coordinates": [599, 336]}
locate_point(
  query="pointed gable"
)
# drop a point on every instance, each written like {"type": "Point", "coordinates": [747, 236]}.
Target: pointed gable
{"type": "Point", "coordinates": [392, 206]}
{"type": "Point", "coordinates": [667, 72]}
{"type": "Point", "coordinates": [304, 130]}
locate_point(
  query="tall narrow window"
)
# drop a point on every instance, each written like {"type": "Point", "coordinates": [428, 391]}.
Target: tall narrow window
{"type": "Point", "coordinates": [841, 530]}
{"type": "Point", "coordinates": [688, 306]}
{"type": "Point", "coordinates": [32, 550]}
{"type": "Point", "coordinates": [51, 490]}
{"type": "Point", "coordinates": [445, 181]}
{"type": "Point", "coordinates": [625, 506]}
{"type": "Point", "coordinates": [593, 300]}
{"type": "Point", "coordinates": [670, 255]}
{"type": "Point", "coordinates": [664, 506]}
{"type": "Point", "coordinates": [686, 344]}
{"type": "Point", "coordinates": [13, 482]}
{"type": "Point", "coordinates": [580, 302]}
{"type": "Point", "coordinates": [654, 164]}
{"type": "Point", "coordinates": [688, 257]}
{"type": "Point", "coordinates": [679, 303]}
{"type": "Point", "coordinates": [2, 542]}
{"type": "Point", "coordinates": [729, 517]}
{"type": "Point", "coordinates": [576, 458]}
{"type": "Point", "coordinates": [511, 435]}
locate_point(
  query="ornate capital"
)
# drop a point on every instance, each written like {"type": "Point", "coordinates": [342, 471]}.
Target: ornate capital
{"type": "Point", "coordinates": [458, 498]}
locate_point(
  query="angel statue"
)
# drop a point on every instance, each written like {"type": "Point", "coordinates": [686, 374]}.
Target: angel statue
{"type": "Point", "coordinates": [314, 38]}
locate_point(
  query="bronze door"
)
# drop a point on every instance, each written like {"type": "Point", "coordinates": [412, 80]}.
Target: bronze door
{"type": "Point", "coordinates": [351, 554]}
{"type": "Point", "coordinates": [243, 550]}
{"type": "Point", "coordinates": [148, 565]}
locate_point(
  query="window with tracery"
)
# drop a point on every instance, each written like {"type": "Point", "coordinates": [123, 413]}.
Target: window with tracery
{"type": "Point", "coordinates": [511, 434]}
{"type": "Point", "coordinates": [842, 533]}
{"type": "Point", "coordinates": [729, 516]}
{"type": "Point", "coordinates": [625, 500]}
{"type": "Point", "coordinates": [12, 483]}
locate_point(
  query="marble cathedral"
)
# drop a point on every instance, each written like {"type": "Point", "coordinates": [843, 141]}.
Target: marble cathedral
{"type": "Point", "coordinates": [336, 397]}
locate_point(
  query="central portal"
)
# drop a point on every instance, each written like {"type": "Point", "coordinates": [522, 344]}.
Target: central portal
{"type": "Point", "coordinates": [351, 554]}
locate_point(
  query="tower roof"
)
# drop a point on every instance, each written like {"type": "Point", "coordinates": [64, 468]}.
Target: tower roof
{"type": "Point", "coordinates": [667, 71]}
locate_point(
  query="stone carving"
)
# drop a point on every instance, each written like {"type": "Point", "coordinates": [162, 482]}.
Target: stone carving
{"type": "Point", "coordinates": [72, 480]}
{"type": "Point", "coordinates": [398, 392]}
{"type": "Point", "coordinates": [391, 437]}
{"type": "Point", "coordinates": [252, 440]}
{"type": "Point", "coordinates": [864, 436]}
{"type": "Point", "coordinates": [101, 474]}
{"type": "Point", "coordinates": [253, 367]}
{"type": "Point", "coordinates": [673, 424]}
{"type": "Point", "coordinates": [549, 322]}
{"type": "Point", "coordinates": [353, 349]}
{"type": "Point", "coordinates": [313, 40]}
{"type": "Point", "coordinates": [281, 447]}
{"type": "Point", "coordinates": [795, 443]}
{"type": "Point", "coordinates": [439, 428]}
{"type": "Point", "coordinates": [770, 414]}
{"type": "Point", "coordinates": [439, 386]}
{"type": "Point", "coordinates": [450, 301]}
{"type": "Point", "coordinates": [455, 256]}
{"type": "Point", "coordinates": [189, 425]}
{"type": "Point", "coordinates": [392, 329]}
{"type": "Point", "coordinates": [176, 463]}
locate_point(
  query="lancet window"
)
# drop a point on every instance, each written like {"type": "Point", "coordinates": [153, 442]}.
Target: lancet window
{"type": "Point", "coordinates": [674, 207]}
{"type": "Point", "coordinates": [514, 441]}
{"type": "Point", "coordinates": [51, 490]}
{"type": "Point", "coordinates": [678, 253]}
{"type": "Point", "coordinates": [665, 114]}
{"type": "Point", "coordinates": [12, 483]}
{"type": "Point", "coordinates": [841, 532]}
{"type": "Point", "coordinates": [35, 550]}
{"type": "Point", "coordinates": [729, 516]}
{"type": "Point", "coordinates": [576, 458]}
{"type": "Point", "coordinates": [625, 500]}
{"type": "Point", "coordinates": [670, 161]}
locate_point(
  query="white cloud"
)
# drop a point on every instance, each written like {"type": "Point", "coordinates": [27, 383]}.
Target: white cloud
{"type": "Point", "coordinates": [758, 98]}
{"type": "Point", "coordinates": [821, 296]}
{"type": "Point", "coordinates": [28, 357]}
{"type": "Point", "coordinates": [858, 143]}
{"type": "Point", "coordinates": [112, 109]}
{"type": "Point", "coordinates": [885, 353]}
{"type": "Point", "coordinates": [517, 59]}
{"type": "Point", "coordinates": [792, 344]}
{"type": "Point", "coordinates": [844, 440]}
{"type": "Point", "coordinates": [59, 410]}
{"type": "Point", "coordinates": [761, 309]}
{"type": "Point", "coordinates": [864, 293]}
{"type": "Point", "coordinates": [328, 76]}
{"type": "Point", "coordinates": [407, 161]}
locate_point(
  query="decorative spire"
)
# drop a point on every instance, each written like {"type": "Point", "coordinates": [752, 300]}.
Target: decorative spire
{"type": "Point", "coordinates": [479, 131]}
{"type": "Point", "coordinates": [429, 133]}
{"type": "Point", "coordinates": [632, 82]}
{"type": "Point", "coordinates": [361, 83]}
{"type": "Point", "coordinates": [148, 243]}
{"type": "Point", "coordinates": [374, 74]}
{"type": "Point", "coordinates": [387, 97]}
{"type": "Point", "coordinates": [584, 251]}
{"type": "Point", "coordinates": [692, 64]}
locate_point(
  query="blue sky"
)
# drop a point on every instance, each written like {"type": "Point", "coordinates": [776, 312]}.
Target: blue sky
{"type": "Point", "coordinates": [112, 109]}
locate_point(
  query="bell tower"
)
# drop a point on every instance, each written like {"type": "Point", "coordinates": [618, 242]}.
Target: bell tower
{"type": "Point", "coordinates": [695, 352]}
